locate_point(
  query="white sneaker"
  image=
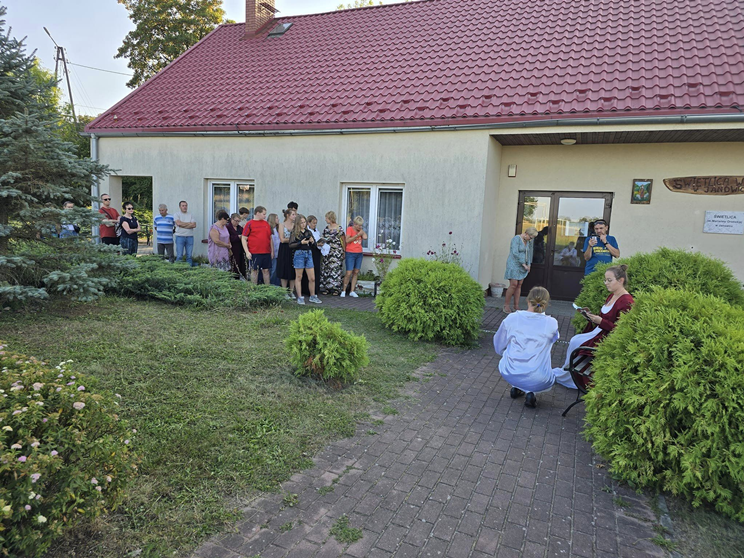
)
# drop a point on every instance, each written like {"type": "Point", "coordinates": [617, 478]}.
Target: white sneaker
{"type": "Point", "coordinates": [353, 295]}
{"type": "Point", "coordinates": [343, 294]}
{"type": "Point", "coordinates": [292, 296]}
{"type": "Point", "coordinates": [301, 300]}
{"type": "Point", "coordinates": [316, 300]}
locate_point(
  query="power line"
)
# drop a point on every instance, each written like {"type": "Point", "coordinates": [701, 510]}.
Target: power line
{"type": "Point", "coordinates": [76, 79]}
{"type": "Point", "coordinates": [99, 69]}
{"type": "Point", "coordinates": [96, 108]}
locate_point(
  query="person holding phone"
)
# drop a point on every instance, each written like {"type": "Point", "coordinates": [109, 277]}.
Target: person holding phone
{"type": "Point", "coordinates": [355, 236]}
{"type": "Point", "coordinates": [599, 247]}
{"type": "Point", "coordinates": [600, 325]}
{"type": "Point", "coordinates": [301, 241]}
{"type": "Point", "coordinates": [318, 248]}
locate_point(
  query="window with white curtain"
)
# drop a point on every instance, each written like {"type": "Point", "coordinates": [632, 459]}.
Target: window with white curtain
{"type": "Point", "coordinates": [230, 195]}
{"type": "Point", "coordinates": [381, 207]}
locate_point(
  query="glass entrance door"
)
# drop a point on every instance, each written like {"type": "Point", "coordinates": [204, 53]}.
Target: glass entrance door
{"type": "Point", "coordinates": [562, 220]}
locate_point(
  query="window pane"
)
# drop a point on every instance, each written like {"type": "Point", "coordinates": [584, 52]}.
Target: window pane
{"type": "Point", "coordinates": [357, 204]}
{"type": "Point", "coordinates": [389, 212]}
{"type": "Point", "coordinates": [574, 216]}
{"type": "Point", "coordinates": [245, 198]}
{"type": "Point", "coordinates": [220, 199]}
{"type": "Point", "coordinates": [537, 214]}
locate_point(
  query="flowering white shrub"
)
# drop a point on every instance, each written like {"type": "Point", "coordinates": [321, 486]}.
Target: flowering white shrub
{"type": "Point", "coordinates": [382, 256]}
{"type": "Point", "coordinates": [64, 453]}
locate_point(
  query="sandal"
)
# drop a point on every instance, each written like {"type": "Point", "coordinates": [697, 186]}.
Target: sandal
{"type": "Point", "coordinates": [506, 310]}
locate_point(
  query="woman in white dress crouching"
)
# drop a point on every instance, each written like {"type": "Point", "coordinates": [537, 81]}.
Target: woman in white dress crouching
{"type": "Point", "coordinates": [524, 341]}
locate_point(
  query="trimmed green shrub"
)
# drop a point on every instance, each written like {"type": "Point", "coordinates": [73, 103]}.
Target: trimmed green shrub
{"type": "Point", "coordinates": [64, 453]}
{"type": "Point", "coordinates": [668, 269]}
{"type": "Point", "coordinates": [667, 405]}
{"type": "Point", "coordinates": [433, 301]}
{"type": "Point", "coordinates": [202, 287]}
{"type": "Point", "coordinates": [324, 350]}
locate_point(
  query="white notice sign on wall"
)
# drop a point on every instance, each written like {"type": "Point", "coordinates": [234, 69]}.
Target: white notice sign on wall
{"type": "Point", "coordinates": [724, 222]}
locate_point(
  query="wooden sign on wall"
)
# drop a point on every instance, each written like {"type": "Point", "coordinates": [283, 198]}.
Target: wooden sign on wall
{"type": "Point", "coordinates": [710, 185]}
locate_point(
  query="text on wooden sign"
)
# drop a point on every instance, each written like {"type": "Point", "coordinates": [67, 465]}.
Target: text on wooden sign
{"type": "Point", "coordinates": [711, 185]}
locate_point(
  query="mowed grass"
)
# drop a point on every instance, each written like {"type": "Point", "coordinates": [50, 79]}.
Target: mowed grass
{"type": "Point", "coordinates": [219, 413]}
{"type": "Point", "coordinates": [704, 533]}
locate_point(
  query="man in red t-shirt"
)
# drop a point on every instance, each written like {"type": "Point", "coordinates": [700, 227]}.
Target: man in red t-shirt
{"type": "Point", "coordinates": [110, 219]}
{"type": "Point", "coordinates": [257, 245]}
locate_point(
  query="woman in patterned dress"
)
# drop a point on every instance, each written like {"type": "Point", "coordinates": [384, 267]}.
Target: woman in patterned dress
{"type": "Point", "coordinates": [332, 272]}
{"type": "Point", "coordinates": [219, 248]}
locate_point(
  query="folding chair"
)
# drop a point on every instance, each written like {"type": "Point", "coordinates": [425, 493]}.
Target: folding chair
{"type": "Point", "coordinates": [580, 368]}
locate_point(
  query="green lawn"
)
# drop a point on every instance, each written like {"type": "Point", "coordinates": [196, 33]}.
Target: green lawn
{"type": "Point", "coordinates": [218, 411]}
{"type": "Point", "coordinates": [704, 533]}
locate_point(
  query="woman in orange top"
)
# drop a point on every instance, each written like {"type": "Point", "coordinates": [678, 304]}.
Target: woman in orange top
{"type": "Point", "coordinates": [354, 237]}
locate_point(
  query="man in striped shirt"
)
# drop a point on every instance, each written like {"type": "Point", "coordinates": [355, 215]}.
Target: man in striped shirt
{"type": "Point", "coordinates": [164, 226]}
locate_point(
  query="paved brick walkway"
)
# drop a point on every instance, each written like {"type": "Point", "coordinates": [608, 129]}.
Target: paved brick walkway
{"type": "Point", "coordinates": [463, 470]}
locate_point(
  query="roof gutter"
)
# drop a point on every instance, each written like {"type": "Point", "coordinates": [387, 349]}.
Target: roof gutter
{"type": "Point", "coordinates": [549, 123]}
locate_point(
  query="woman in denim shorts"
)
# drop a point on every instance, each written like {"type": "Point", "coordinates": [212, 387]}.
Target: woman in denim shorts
{"type": "Point", "coordinates": [300, 241]}
{"type": "Point", "coordinates": [355, 236]}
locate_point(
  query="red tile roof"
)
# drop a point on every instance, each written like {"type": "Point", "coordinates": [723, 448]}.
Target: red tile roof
{"type": "Point", "coordinates": [437, 62]}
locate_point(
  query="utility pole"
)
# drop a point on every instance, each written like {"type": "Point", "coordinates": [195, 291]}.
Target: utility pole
{"type": "Point", "coordinates": [61, 56]}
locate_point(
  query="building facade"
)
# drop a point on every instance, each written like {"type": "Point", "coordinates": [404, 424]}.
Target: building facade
{"type": "Point", "coordinates": [480, 146]}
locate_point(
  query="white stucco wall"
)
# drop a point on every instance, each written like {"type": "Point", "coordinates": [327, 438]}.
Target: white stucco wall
{"type": "Point", "coordinates": [454, 181]}
{"type": "Point", "coordinates": [443, 173]}
{"type": "Point", "coordinates": [491, 199]}
{"type": "Point", "coordinates": [672, 219]}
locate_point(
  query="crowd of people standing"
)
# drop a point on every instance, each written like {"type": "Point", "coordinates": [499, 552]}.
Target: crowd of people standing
{"type": "Point", "coordinates": [256, 246]}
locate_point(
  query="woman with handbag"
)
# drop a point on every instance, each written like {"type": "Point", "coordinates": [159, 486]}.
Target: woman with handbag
{"type": "Point", "coordinates": [284, 265]}
{"type": "Point", "coordinates": [219, 248]}
{"type": "Point", "coordinates": [237, 261]}
{"type": "Point", "coordinates": [129, 229]}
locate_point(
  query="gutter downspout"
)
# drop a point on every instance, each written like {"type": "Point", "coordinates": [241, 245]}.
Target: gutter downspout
{"type": "Point", "coordinates": [94, 186]}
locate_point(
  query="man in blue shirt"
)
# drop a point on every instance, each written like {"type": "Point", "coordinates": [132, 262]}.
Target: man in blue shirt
{"type": "Point", "coordinates": [164, 226]}
{"type": "Point", "coordinates": [599, 247]}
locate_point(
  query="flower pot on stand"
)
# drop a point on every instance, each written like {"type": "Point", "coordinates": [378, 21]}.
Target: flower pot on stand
{"type": "Point", "coordinates": [367, 287]}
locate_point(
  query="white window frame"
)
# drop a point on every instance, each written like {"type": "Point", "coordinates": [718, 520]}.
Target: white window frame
{"type": "Point", "coordinates": [371, 226]}
{"type": "Point", "coordinates": [234, 188]}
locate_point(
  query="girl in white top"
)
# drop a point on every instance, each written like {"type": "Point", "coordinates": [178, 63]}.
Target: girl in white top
{"type": "Point", "coordinates": [524, 341]}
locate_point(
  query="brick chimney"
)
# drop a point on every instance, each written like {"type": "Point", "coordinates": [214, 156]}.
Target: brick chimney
{"type": "Point", "coordinates": [258, 13]}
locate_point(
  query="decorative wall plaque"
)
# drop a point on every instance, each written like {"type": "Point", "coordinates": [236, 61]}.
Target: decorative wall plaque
{"type": "Point", "coordinates": [707, 185]}
{"type": "Point", "coordinates": [641, 191]}
{"type": "Point", "coordinates": [724, 222]}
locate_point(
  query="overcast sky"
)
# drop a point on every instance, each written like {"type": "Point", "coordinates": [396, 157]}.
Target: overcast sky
{"type": "Point", "coordinates": [91, 32]}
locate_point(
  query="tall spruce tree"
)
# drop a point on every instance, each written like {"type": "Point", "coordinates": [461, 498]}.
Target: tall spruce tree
{"type": "Point", "coordinates": [38, 172]}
